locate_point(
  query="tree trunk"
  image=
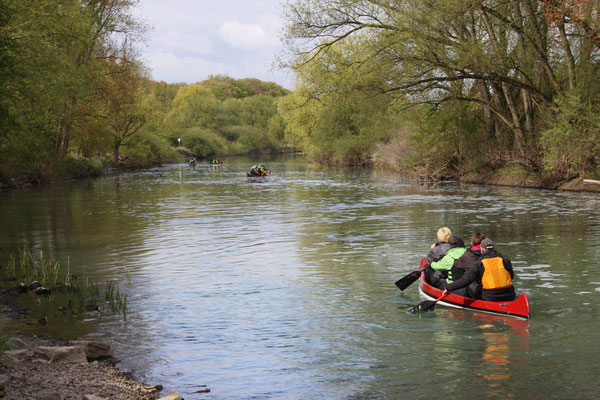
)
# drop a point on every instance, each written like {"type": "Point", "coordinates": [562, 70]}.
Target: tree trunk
{"type": "Point", "coordinates": [568, 54]}
{"type": "Point", "coordinates": [490, 123]}
{"type": "Point", "coordinates": [66, 128]}
{"type": "Point", "coordinates": [116, 146]}
{"type": "Point", "coordinates": [499, 105]}
{"type": "Point", "coordinates": [517, 128]}
{"type": "Point", "coordinates": [528, 112]}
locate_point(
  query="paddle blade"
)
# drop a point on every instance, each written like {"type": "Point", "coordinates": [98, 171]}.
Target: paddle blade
{"type": "Point", "coordinates": [424, 306]}
{"type": "Point", "coordinates": [408, 280]}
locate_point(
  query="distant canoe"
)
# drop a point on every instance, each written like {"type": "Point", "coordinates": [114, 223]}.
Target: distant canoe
{"type": "Point", "coordinates": [248, 174]}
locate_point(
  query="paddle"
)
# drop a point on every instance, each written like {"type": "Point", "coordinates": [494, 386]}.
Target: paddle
{"type": "Point", "coordinates": [427, 305]}
{"type": "Point", "coordinates": [408, 280]}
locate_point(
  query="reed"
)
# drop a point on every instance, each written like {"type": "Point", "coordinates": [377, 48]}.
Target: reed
{"type": "Point", "coordinates": [49, 273]}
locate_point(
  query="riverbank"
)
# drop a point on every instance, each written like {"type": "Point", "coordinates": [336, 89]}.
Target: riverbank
{"type": "Point", "coordinates": [389, 155]}
{"type": "Point", "coordinates": [385, 159]}
{"type": "Point", "coordinates": [33, 367]}
{"type": "Point", "coordinates": [578, 184]}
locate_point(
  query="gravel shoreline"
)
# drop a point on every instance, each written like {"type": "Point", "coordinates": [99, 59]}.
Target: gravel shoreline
{"type": "Point", "coordinates": [33, 377]}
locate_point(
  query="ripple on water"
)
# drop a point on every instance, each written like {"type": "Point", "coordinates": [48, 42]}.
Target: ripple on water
{"type": "Point", "coordinates": [283, 288]}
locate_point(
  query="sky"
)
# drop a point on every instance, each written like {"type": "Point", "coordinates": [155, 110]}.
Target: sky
{"type": "Point", "coordinates": [189, 40]}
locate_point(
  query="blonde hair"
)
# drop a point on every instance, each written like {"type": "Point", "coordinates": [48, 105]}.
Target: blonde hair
{"type": "Point", "coordinates": [443, 234]}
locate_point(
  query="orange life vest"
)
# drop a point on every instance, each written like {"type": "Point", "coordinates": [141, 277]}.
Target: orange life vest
{"type": "Point", "coordinates": [495, 276]}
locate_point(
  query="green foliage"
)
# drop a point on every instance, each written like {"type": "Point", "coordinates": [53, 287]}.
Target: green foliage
{"type": "Point", "coordinates": [298, 112]}
{"type": "Point", "coordinates": [148, 149]}
{"type": "Point", "coordinates": [7, 70]}
{"type": "Point", "coordinates": [202, 142]}
{"type": "Point", "coordinates": [229, 113]}
{"type": "Point", "coordinates": [572, 142]}
{"type": "Point", "coordinates": [253, 140]}
{"type": "Point", "coordinates": [253, 87]}
{"type": "Point", "coordinates": [193, 106]}
{"type": "Point", "coordinates": [451, 139]}
{"type": "Point", "coordinates": [79, 167]}
{"type": "Point", "coordinates": [276, 127]}
{"type": "Point", "coordinates": [513, 171]}
{"type": "Point", "coordinates": [224, 87]}
{"type": "Point", "coordinates": [50, 89]}
{"type": "Point", "coordinates": [222, 116]}
{"type": "Point", "coordinates": [333, 114]}
{"type": "Point", "coordinates": [502, 63]}
{"type": "Point", "coordinates": [257, 110]}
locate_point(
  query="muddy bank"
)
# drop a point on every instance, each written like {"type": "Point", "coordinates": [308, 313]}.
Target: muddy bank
{"type": "Point", "coordinates": [575, 185]}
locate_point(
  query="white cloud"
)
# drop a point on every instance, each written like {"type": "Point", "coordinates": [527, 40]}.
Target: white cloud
{"type": "Point", "coordinates": [169, 67]}
{"type": "Point", "coordinates": [178, 41]}
{"type": "Point", "coordinates": [246, 36]}
{"type": "Point", "coordinates": [192, 39]}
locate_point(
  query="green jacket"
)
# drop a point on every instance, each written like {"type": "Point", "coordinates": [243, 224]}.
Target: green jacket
{"type": "Point", "coordinates": [445, 264]}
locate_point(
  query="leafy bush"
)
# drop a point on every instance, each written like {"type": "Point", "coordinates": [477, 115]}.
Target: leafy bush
{"type": "Point", "coordinates": [571, 146]}
{"type": "Point", "coordinates": [451, 140]}
{"type": "Point", "coordinates": [253, 140]}
{"type": "Point", "coordinates": [146, 150]}
{"type": "Point", "coordinates": [203, 142]}
{"type": "Point", "coordinates": [80, 167]}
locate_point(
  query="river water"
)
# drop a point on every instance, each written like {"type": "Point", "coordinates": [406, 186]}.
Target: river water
{"type": "Point", "coordinates": [283, 287]}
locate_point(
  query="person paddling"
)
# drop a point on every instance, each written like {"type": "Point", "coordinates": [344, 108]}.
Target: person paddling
{"type": "Point", "coordinates": [495, 273]}
{"type": "Point", "coordinates": [439, 248]}
{"type": "Point", "coordinates": [467, 261]}
{"type": "Point", "coordinates": [437, 272]}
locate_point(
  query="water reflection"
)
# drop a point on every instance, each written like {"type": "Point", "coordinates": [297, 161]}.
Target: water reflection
{"type": "Point", "coordinates": [283, 288]}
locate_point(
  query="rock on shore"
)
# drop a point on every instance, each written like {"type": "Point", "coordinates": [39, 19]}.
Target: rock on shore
{"type": "Point", "coordinates": [37, 368]}
{"type": "Point", "coordinates": [58, 370]}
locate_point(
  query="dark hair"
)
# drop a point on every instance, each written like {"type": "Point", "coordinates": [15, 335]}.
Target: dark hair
{"type": "Point", "coordinates": [477, 238]}
{"type": "Point", "coordinates": [456, 241]}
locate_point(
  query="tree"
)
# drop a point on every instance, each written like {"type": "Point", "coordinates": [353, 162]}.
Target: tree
{"type": "Point", "coordinates": [224, 87]}
{"type": "Point", "coordinates": [193, 106]}
{"type": "Point", "coordinates": [122, 100]}
{"type": "Point", "coordinates": [58, 50]}
{"type": "Point", "coordinates": [335, 113]}
{"type": "Point", "coordinates": [111, 28]}
{"type": "Point", "coordinates": [40, 81]}
{"type": "Point", "coordinates": [257, 110]}
{"type": "Point", "coordinates": [501, 56]}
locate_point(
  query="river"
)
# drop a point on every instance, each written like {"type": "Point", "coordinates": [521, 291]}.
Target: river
{"type": "Point", "coordinates": [283, 287]}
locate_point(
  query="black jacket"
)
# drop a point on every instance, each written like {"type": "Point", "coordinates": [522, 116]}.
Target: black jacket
{"type": "Point", "coordinates": [475, 273]}
{"type": "Point", "coordinates": [464, 263]}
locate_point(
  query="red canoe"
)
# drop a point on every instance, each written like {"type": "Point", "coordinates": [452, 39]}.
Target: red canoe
{"type": "Point", "coordinates": [518, 308]}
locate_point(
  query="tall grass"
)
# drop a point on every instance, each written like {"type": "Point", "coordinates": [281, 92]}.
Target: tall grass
{"type": "Point", "coordinates": [84, 293]}
{"type": "Point", "coordinates": [28, 268]}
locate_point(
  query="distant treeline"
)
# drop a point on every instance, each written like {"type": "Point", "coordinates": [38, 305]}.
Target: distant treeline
{"type": "Point", "coordinates": [443, 87]}
{"type": "Point", "coordinates": [75, 98]}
